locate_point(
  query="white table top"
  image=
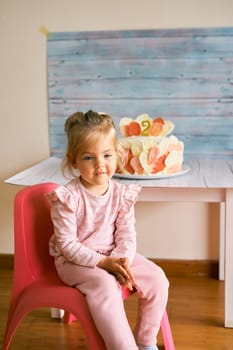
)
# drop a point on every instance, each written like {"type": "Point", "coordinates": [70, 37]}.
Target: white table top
{"type": "Point", "coordinates": [203, 174]}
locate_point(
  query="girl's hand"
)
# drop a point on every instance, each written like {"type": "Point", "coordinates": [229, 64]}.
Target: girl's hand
{"type": "Point", "coordinates": [120, 268]}
{"type": "Point", "coordinates": [129, 283]}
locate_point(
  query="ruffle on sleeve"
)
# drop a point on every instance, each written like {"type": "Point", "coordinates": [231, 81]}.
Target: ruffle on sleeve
{"type": "Point", "coordinates": [130, 195]}
{"type": "Point", "coordinates": [64, 196]}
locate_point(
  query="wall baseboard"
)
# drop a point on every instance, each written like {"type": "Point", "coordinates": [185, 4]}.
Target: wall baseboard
{"type": "Point", "coordinates": [189, 268]}
{"type": "Point", "coordinates": [172, 268]}
{"type": "Point", "coordinates": [7, 261]}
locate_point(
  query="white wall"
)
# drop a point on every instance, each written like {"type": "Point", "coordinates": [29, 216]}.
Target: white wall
{"type": "Point", "coordinates": [24, 133]}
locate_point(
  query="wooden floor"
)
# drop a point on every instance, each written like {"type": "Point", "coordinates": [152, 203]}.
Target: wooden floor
{"type": "Point", "coordinates": [195, 310]}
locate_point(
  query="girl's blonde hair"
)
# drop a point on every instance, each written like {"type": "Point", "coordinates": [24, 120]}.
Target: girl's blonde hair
{"type": "Point", "coordinates": [82, 129]}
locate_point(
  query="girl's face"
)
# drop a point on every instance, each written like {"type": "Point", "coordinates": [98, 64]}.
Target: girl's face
{"type": "Point", "coordinates": [97, 164]}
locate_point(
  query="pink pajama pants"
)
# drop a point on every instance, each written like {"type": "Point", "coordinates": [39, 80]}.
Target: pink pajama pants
{"type": "Point", "coordinates": [103, 295]}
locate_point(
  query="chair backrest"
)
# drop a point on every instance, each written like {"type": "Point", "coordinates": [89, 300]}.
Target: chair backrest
{"type": "Point", "coordinates": [32, 230]}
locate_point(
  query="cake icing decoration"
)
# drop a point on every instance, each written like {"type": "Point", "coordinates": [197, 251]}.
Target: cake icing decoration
{"type": "Point", "coordinates": [148, 147]}
{"type": "Point", "coordinates": [144, 125]}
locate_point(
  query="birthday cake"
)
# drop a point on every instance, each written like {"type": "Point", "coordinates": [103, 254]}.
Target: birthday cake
{"type": "Point", "coordinates": [148, 147]}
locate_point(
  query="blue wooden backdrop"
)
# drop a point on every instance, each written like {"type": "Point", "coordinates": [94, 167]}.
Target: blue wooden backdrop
{"type": "Point", "coordinates": [184, 75]}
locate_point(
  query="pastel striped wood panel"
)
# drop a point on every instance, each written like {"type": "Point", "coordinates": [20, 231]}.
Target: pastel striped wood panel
{"type": "Point", "coordinates": [185, 75]}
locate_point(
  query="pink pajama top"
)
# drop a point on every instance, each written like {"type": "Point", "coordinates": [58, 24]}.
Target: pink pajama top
{"type": "Point", "coordinates": [88, 226]}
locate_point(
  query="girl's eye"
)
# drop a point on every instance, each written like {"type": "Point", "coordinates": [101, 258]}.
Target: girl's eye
{"type": "Point", "coordinates": [87, 158]}
{"type": "Point", "coordinates": [108, 155]}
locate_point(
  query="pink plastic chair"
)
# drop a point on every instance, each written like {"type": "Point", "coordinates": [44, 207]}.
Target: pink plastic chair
{"type": "Point", "coordinates": [35, 281]}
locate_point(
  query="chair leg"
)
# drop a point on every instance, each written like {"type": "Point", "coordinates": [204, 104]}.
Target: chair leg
{"type": "Point", "coordinates": [167, 333]}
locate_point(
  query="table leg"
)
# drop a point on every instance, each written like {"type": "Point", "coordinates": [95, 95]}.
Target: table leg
{"type": "Point", "coordinates": [56, 313]}
{"type": "Point", "coordinates": [222, 220]}
{"type": "Point", "coordinates": [229, 259]}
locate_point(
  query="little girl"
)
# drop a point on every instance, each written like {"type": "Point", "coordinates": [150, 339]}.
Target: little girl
{"type": "Point", "coordinates": [94, 241]}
